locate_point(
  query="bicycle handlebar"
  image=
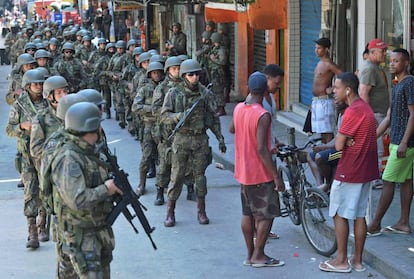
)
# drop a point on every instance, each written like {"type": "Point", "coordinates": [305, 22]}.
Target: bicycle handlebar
{"type": "Point", "coordinates": [283, 150]}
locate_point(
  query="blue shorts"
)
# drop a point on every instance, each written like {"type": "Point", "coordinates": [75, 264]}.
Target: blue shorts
{"type": "Point", "coordinates": [328, 156]}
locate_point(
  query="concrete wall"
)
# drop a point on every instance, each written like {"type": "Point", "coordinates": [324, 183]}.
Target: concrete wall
{"type": "Point", "coordinates": [293, 66]}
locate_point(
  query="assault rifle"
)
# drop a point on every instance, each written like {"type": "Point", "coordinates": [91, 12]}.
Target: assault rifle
{"type": "Point", "coordinates": [129, 197]}
{"type": "Point", "coordinates": [187, 114]}
{"type": "Point", "coordinates": [26, 112]}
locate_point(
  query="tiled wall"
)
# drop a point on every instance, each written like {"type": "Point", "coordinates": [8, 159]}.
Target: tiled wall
{"type": "Point", "coordinates": [293, 51]}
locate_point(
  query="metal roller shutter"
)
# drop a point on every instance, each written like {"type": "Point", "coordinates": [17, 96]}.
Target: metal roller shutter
{"type": "Point", "coordinates": [259, 52]}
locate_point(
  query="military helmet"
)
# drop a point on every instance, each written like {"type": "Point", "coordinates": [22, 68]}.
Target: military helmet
{"type": "Point", "coordinates": [37, 34]}
{"type": "Point", "coordinates": [41, 53]}
{"type": "Point", "coordinates": [65, 103]}
{"type": "Point", "coordinates": [138, 51]}
{"type": "Point", "coordinates": [206, 35]}
{"type": "Point", "coordinates": [32, 76]}
{"type": "Point", "coordinates": [83, 117]}
{"type": "Point", "coordinates": [172, 61]}
{"type": "Point", "coordinates": [68, 45]}
{"type": "Point", "coordinates": [144, 57]}
{"type": "Point", "coordinates": [47, 29]}
{"type": "Point", "coordinates": [37, 40]}
{"type": "Point", "coordinates": [24, 59]}
{"type": "Point", "coordinates": [86, 38]}
{"type": "Point", "coordinates": [216, 37]}
{"type": "Point", "coordinates": [52, 83]}
{"type": "Point", "coordinates": [211, 23]}
{"type": "Point", "coordinates": [154, 66]}
{"type": "Point", "coordinates": [177, 24]}
{"type": "Point", "coordinates": [41, 46]}
{"type": "Point", "coordinates": [157, 58]}
{"type": "Point", "coordinates": [80, 33]}
{"type": "Point", "coordinates": [120, 44]}
{"type": "Point", "coordinates": [188, 66]}
{"type": "Point", "coordinates": [131, 43]}
{"type": "Point", "coordinates": [109, 45]}
{"type": "Point", "coordinates": [153, 52]}
{"type": "Point", "coordinates": [44, 71]}
{"type": "Point", "coordinates": [183, 57]}
{"type": "Point", "coordinates": [101, 41]}
{"type": "Point", "coordinates": [92, 96]}
{"type": "Point", "coordinates": [29, 45]}
{"type": "Point", "coordinates": [54, 41]}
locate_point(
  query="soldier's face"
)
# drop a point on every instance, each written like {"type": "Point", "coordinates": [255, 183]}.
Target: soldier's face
{"type": "Point", "coordinates": [68, 53]}
{"type": "Point", "coordinates": [27, 67]}
{"type": "Point", "coordinates": [60, 93]}
{"type": "Point", "coordinates": [42, 61]}
{"type": "Point", "coordinates": [36, 87]}
{"type": "Point", "coordinates": [193, 77]}
{"type": "Point", "coordinates": [144, 64]}
{"type": "Point", "coordinates": [174, 71]}
{"type": "Point", "coordinates": [102, 46]}
{"type": "Point", "coordinates": [156, 75]}
{"type": "Point", "coordinates": [52, 47]}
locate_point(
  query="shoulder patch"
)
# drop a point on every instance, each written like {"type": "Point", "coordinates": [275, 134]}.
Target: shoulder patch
{"type": "Point", "coordinates": [74, 170]}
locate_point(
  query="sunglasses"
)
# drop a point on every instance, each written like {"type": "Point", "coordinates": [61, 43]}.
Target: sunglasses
{"type": "Point", "coordinates": [37, 83]}
{"type": "Point", "coordinates": [193, 74]}
{"type": "Point", "coordinates": [31, 49]}
{"type": "Point", "coordinates": [68, 51]}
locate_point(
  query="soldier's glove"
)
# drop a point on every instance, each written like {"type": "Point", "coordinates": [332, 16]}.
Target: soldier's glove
{"type": "Point", "coordinates": [222, 146]}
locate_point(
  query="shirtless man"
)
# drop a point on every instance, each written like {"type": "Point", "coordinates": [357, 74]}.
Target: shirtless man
{"type": "Point", "coordinates": [323, 107]}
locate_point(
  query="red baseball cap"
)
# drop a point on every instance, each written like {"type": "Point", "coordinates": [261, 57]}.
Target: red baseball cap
{"type": "Point", "coordinates": [377, 43]}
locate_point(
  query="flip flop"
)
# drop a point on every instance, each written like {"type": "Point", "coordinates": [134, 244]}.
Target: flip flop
{"type": "Point", "coordinates": [269, 263]}
{"type": "Point", "coordinates": [247, 263]}
{"type": "Point", "coordinates": [331, 268]}
{"type": "Point", "coordinates": [373, 234]}
{"type": "Point", "coordinates": [394, 230]}
{"type": "Point", "coordinates": [273, 235]}
{"type": "Point", "coordinates": [411, 249]}
{"type": "Point", "coordinates": [362, 269]}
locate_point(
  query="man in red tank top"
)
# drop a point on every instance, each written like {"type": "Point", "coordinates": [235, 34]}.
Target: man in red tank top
{"type": "Point", "coordinates": [256, 172]}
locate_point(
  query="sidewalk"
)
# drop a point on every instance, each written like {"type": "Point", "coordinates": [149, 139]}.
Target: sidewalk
{"type": "Point", "coordinates": [388, 253]}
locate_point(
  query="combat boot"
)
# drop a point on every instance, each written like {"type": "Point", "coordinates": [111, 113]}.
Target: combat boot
{"type": "Point", "coordinates": [151, 172]}
{"type": "Point", "coordinates": [190, 192]}
{"type": "Point", "coordinates": [32, 240]}
{"type": "Point", "coordinates": [159, 200]}
{"type": "Point", "coordinates": [201, 211]}
{"type": "Point", "coordinates": [122, 122]}
{"type": "Point", "coordinates": [142, 183]}
{"type": "Point", "coordinates": [42, 220]}
{"type": "Point", "coordinates": [170, 219]}
{"type": "Point", "coordinates": [108, 114]}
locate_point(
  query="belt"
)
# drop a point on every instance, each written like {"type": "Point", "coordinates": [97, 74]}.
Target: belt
{"type": "Point", "coordinates": [324, 97]}
{"type": "Point", "coordinates": [191, 132]}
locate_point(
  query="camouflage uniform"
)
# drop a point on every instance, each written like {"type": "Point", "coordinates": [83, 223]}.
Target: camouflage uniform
{"type": "Point", "coordinates": [74, 73]}
{"type": "Point", "coordinates": [129, 72]}
{"type": "Point", "coordinates": [143, 106]}
{"type": "Point", "coordinates": [83, 54]}
{"type": "Point", "coordinates": [190, 144]}
{"type": "Point", "coordinates": [102, 83]}
{"type": "Point", "coordinates": [11, 38]}
{"type": "Point", "coordinates": [116, 65]}
{"type": "Point", "coordinates": [217, 75]}
{"type": "Point", "coordinates": [82, 208]}
{"type": "Point", "coordinates": [15, 87]}
{"type": "Point", "coordinates": [25, 163]}
{"type": "Point", "coordinates": [18, 47]}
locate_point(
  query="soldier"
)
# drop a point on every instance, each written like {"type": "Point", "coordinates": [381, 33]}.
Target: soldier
{"type": "Point", "coordinates": [25, 62]}
{"type": "Point", "coordinates": [178, 42]}
{"type": "Point", "coordinates": [143, 106]}
{"type": "Point", "coordinates": [190, 143]}
{"type": "Point", "coordinates": [30, 48]}
{"type": "Point", "coordinates": [71, 69]}
{"type": "Point", "coordinates": [172, 79]}
{"type": "Point", "coordinates": [84, 194]}
{"type": "Point", "coordinates": [42, 58]}
{"type": "Point", "coordinates": [97, 53]}
{"type": "Point", "coordinates": [19, 125]}
{"type": "Point", "coordinates": [131, 44]}
{"type": "Point", "coordinates": [44, 124]}
{"type": "Point", "coordinates": [84, 51]}
{"type": "Point", "coordinates": [99, 74]}
{"type": "Point", "coordinates": [128, 74]}
{"type": "Point", "coordinates": [217, 60]}
{"type": "Point", "coordinates": [55, 53]}
{"type": "Point", "coordinates": [202, 57]}
{"type": "Point", "coordinates": [115, 67]}
{"type": "Point", "coordinates": [11, 38]}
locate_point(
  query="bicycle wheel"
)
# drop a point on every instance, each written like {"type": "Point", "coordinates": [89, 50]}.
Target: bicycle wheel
{"type": "Point", "coordinates": [289, 197]}
{"type": "Point", "coordinates": [314, 210]}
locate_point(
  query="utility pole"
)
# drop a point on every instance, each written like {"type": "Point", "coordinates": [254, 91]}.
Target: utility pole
{"type": "Point", "coordinates": [146, 26]}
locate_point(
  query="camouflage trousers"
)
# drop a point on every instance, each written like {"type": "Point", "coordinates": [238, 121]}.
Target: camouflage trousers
{"type": "Point", "coordinates": [188, 147]}
{"type": "Point", "coordinates": [90, 252]}
{"type": "Point", "coordinates": [164, 167]}
{"type": "Point", "coordinates": [106, 94]}
{"type": "Point", "coordinates": [31, 187]}
{"type": "Point", "coordinates": [149, 147]}
{"type": "Point", "coordinates": [218, 80]}
{"type": "Point", "coordinates": [118, 94]}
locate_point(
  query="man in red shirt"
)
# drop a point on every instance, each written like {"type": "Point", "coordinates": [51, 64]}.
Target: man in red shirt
{"type": "Point", "coordinates": [256, 172]}
{"type": "Point", "coordinates": [356, 169]}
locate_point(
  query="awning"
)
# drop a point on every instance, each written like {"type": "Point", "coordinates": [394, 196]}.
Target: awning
{"type": "Point", "coordinates": [262, 15]}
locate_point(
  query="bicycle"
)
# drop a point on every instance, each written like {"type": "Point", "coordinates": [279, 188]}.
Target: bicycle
{"type": "Point", "coordinates": [305, 204]}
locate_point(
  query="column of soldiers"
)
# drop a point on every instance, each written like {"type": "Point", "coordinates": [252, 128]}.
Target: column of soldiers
{"type": "Point", "coordinates": [60, 86]}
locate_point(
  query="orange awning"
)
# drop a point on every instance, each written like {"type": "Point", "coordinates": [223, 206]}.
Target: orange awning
{"type": "Point", "coordinates": [220, 12]}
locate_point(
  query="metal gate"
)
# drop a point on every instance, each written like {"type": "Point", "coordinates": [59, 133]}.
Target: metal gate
{"type": "Point", "coordinates": [310, 26]}
{"type": "Point", "coordinates": [259, 52]}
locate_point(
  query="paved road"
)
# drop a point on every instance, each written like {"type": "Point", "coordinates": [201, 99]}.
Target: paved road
{"type": "Point", "coordinates": [188, 250]}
